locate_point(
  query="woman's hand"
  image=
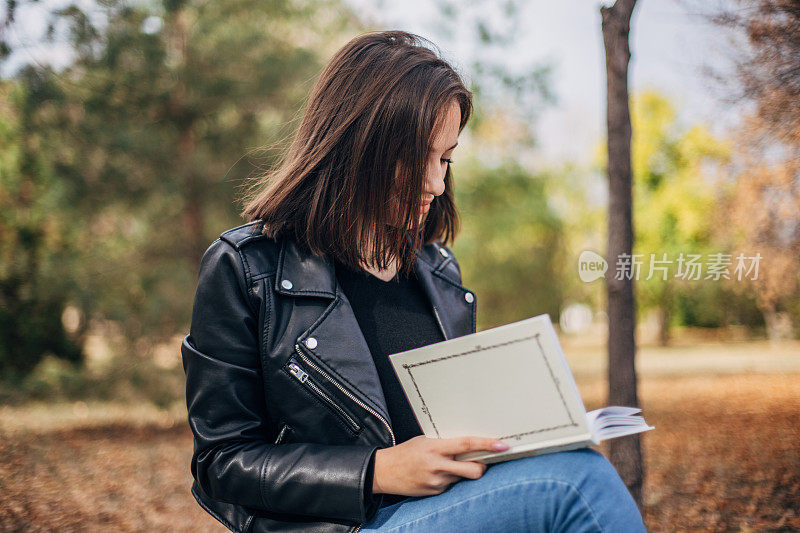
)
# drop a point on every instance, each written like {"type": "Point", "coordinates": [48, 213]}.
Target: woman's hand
{"type": "Point", "coordinates": [423, 466]}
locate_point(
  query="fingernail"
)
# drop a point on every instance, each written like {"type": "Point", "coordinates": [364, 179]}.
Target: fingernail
{"type": "Point", "coordinates": [500, 446]}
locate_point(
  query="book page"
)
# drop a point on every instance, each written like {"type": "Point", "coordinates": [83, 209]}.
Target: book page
{"type": "Point", "coordinates": [509, 382]}
{"type": "Point", "coordinates": [615, 421]}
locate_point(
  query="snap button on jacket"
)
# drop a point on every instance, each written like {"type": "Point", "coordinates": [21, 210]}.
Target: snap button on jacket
{"type": "Point", "coordinates": [283, 398]}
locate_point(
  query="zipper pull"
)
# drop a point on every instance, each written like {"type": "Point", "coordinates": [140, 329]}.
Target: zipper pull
{"type": "Point", "coordinates": [298, 372]}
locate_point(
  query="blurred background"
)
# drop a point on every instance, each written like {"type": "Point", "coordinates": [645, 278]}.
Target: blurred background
{"type": "Point", "coordinates": [128, 130]}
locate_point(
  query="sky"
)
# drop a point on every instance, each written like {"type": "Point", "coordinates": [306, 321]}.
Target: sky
{"type": "Point", "coordinates": [671, 42]}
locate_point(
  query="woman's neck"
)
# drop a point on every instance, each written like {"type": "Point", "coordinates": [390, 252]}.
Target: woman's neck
{"type": "Point", "coordinates": [386, 274]}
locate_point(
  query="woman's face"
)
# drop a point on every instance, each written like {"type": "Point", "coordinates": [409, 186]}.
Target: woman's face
{"type": "Point", "coordinates": [443, 142]}
{"type": "Point", "coordinates": [442, 145]}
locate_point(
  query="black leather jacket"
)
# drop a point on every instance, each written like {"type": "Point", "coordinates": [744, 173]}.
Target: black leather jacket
{"type": "Point", "coordinates": [283, 396]}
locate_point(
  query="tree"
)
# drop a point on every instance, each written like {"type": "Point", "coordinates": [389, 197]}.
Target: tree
{"type": "Point", "coordinates": [148, 132]}
{"type": "Point", "coordinates": [36, 251]}
{"type": "Point", "coordinates": [767, 64]}
{"type": "Point", "coordinates": [511, 246]}
{"type": "Point", "coordinates": [762, 211]}
{"type": "Point", "coordinates": [502, 85]}
{"type": "Point", "coordinates": [625, 453]}
{"type": "Point", "coordinates": [761, 214]}
{"type": "Point", "coordinates": [673, 196]}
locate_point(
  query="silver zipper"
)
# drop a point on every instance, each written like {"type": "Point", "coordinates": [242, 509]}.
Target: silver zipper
{"type": "Point", "coordinates": [347, 393]}
{"type": "Point", "coordinates": [298, 372]}
{"type": "Point", "coordinates": [439, 321]}
{"type": "Point", "coordinates": [302, 376]}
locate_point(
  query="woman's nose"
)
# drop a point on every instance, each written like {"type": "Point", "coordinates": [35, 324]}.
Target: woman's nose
{"type": "Point", "coordinates": [434, 184]}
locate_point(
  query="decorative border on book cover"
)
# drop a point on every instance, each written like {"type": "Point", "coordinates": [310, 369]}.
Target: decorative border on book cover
{"type": "Point", "coordinates": [478, 349]}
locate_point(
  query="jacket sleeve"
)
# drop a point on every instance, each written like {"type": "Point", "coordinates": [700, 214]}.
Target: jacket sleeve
{"type": "Point", "coordinates": [235, 459]}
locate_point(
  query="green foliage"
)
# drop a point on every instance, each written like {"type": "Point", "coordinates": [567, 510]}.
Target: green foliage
{"type": "Point", "coordinates": [118, 171]}
{"type": "Point", "coordinates": [127, 378]}
{"type": "Point", "coordinates": [672, 198]}
{"type": "Point", "coordinates": [35, 249]}
{"type": "Point", "coordinates": [577, 198]}
{"type": "Point", "coordinates": [674, 204]}
{"type": "Point", "coordinates": [676, 197]}
{"type": "Point", "coordinates": [511, 245]}
{"type": "Point", "coordinates": [714, 305]}
{"type": "Point", "coordinates": [153, 128]}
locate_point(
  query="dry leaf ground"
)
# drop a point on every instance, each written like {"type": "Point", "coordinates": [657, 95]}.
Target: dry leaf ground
{"type": "Point", "coordinates": [725, 456]}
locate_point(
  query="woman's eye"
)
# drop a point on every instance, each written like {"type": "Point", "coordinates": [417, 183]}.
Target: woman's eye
{"type": "Point", "coordinates": [447, 160]}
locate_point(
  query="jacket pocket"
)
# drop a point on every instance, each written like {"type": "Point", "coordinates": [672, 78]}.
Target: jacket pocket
{"type": "Point", "coordinates": [310, 384]}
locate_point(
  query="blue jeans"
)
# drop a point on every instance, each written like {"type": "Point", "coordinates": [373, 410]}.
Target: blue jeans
{"type": "Point", "coordinates": [575, 491]}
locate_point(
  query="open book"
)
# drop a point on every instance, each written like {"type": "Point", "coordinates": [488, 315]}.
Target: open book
{"type": "Point", "coordinates": [512, 383]}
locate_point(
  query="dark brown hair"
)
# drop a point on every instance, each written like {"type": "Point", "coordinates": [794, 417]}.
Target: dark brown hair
{"type": "Point", "coordinates": [354, 172]}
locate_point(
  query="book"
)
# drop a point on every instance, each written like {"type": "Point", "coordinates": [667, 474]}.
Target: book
{"type": "Point", "coordinates": [512, 383]}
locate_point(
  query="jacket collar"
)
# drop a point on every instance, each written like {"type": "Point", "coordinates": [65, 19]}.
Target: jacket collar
{"type": "Point", "coordinates": [300, 273]}
{"type": "Point", "coordinates": [303, 274]}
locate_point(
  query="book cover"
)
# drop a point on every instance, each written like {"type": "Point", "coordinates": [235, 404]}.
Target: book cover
{"type": "Point", "coordinates": [512, 383]}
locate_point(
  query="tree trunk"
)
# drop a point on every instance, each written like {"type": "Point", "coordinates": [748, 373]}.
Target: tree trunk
{"type": "Point", "coordinates": [626, 452]}
{"type": "Point", "coordinates": [193, 214]}
{"type": "Point", "coordinates": [778, 325]}
{"type": "Point", "coordinates": [665, 315]}
{"type": "Point", "coordinates": [663, 326]}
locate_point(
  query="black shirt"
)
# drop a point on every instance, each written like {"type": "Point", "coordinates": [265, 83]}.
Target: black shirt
{"type": "Point", "coordinates": [394, 316]}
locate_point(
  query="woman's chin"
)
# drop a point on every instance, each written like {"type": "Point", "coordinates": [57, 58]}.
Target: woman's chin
{"type": "Point", "coordinates": [422, 216]}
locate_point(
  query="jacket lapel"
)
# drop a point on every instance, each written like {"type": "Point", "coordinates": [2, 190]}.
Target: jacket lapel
{"type": "Point", "coordinates": [334, 340]}
{"type": "Point", "coordinates": [455, 314]}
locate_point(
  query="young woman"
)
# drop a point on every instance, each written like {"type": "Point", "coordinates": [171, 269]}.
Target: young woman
{"type": "Point", "coordinates": [299, 422]}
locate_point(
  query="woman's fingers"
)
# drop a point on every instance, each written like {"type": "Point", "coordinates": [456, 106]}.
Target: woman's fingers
{"type": "Point", "coordinates": [423, 466]}
{"type": "Point", "coordinates": [464, 469]}
{"type": "Point", "coordinates": [469, 444]}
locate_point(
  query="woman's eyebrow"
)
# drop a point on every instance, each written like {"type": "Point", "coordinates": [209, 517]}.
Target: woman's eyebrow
{"type": "Point", "coordinates": [456, 144]}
